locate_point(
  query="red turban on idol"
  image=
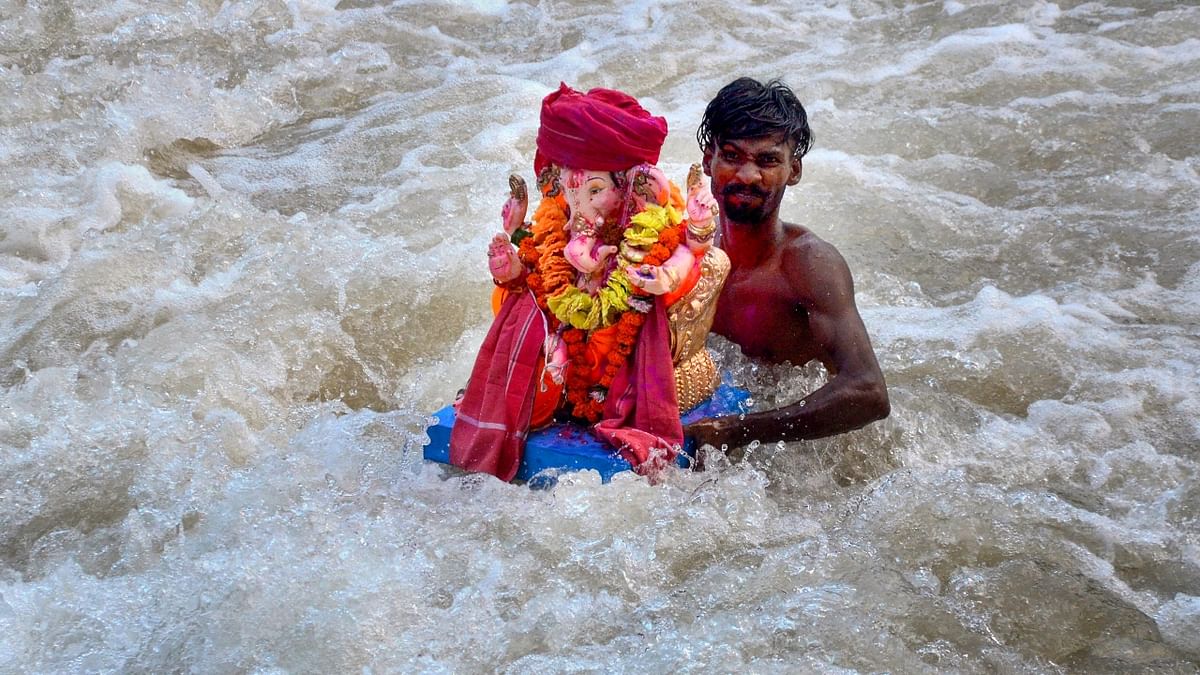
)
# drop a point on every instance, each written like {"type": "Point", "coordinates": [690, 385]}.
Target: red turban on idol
{"type": "Point", "coordinates": [602, 130]}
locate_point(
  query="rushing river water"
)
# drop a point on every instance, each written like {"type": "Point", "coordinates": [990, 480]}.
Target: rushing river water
{"type": "Point", "coordinates": [242, 257]}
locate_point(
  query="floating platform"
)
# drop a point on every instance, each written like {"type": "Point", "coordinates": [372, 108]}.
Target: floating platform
{"type": "Point", "coordinates": [570, 447]}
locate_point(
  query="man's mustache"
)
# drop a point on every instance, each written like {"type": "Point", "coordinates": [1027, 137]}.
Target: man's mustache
{"type": "Point", "coordinates": [747, 190]}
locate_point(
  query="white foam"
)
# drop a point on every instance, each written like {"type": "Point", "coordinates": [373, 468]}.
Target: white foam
{"type": "Point", "coordinates": [124, 191]}
{"type": "Point", "coordinates": [990, 314]}
{"type": "Point", "coordinates": [205, 179]}
{"type": "Point", "coordinates": [1179, 621]}
{"type": "Point", "coordinates": [241, 259]}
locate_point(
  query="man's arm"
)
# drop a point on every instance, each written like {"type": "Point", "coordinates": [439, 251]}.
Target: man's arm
{"type": "Point", "coordinates": [855, 394]}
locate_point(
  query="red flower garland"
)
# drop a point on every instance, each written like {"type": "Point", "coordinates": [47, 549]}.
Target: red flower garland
{"type": "Point", "coordinates": [549, 271]}
{"type": "Point", "coordinates": [578, 383]}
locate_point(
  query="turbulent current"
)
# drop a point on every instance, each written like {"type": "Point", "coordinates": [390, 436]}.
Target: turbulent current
{"type": "Point", "coordinates": [242, 259]}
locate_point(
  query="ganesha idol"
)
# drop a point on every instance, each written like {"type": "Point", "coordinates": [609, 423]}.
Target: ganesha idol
{"type": "Point", "coordinates": [603, 301]}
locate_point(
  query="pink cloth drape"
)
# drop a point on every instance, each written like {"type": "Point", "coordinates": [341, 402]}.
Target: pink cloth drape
{"type": "Point", "coordinates": [641, 413]}
{"type": "Point", "coordinates": [493, 418]}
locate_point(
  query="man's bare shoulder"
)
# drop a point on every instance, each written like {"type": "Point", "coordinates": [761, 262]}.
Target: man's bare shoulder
{"type": "Point", "coordinates": [812, 264]}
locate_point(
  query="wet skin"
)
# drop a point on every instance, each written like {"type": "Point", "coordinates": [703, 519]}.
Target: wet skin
{"type": "Point", "coordinates": [789, 297]}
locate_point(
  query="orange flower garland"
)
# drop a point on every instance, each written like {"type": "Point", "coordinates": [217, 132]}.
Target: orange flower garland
{"type": "Point", "coordinates": [543, 252]}
{"type": "Point", "coordinates": [550, 272]}
{"type": "Point", "coordinates": [579, 386]}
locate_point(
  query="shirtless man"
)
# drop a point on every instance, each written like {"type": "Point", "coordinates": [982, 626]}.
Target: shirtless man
{"type": "Point", "coordinates": [789, 295]}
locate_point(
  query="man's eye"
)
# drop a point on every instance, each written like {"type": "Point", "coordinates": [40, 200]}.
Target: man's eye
{"type": "Point", "coordinates": [729, 156]}
{"type": "Point", "coordinates": [768, 161]}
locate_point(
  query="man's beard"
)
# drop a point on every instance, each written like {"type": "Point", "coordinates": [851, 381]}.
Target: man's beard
{"type": "Point", "coordinates": [747, 214]}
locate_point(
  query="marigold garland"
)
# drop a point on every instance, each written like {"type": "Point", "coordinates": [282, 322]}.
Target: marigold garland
{"type": "Point", "coordinates": [579, 389]}
{"type": "Point", "coordinates": [572, 305]}
{"type": "Point", "coordinates": [549, 239]}
{"type": "Point", "coordinates": [551, 279]}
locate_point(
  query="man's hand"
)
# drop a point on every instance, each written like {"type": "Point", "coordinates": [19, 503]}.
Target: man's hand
{"type": "Point", "coordinates": [714, 431]}
{"type": "Point", "coordinates": [720, 433]}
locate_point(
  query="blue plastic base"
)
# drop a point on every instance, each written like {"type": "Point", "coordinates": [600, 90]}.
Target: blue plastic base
{"type": "Point", "coordinates": [570, 447]}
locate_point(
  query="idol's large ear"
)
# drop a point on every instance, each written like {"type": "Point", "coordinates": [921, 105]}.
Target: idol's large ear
{"type": "Point", "coordinates": [649, 185]}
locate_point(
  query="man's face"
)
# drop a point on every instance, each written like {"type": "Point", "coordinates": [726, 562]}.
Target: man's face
{"type": "Point", "coordinates": [592, 194]}
{"type": "Point", "coordinates": [749, 176]}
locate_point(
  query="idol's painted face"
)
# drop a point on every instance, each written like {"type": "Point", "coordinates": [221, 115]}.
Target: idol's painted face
{"type": "Point", "coordinates": [749, 176]}
{"type": "Point", "coordinates": [593, 195]}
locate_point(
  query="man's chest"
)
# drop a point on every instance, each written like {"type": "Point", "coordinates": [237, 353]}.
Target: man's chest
{"type": "Point", "coordinates": [764, 318]}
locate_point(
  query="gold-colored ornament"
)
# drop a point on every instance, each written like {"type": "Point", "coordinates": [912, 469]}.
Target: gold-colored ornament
{"type": "Point", "coordinates": [517, 189]}
{"type": "Point", "coordinates": [632, 253]}
{"type": "Point", "coordinates": [641, 187]}
{"type": "Point", "coordinates": [702, 234]}
{"type": "Point", "coordinates": [690, 319]}
{"type": "Point", "coordinates": [695, 174]}
{"type": "Point", "coordinates": [550, 176]}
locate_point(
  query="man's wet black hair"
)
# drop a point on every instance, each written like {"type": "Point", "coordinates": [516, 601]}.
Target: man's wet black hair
{"type": "Point", "coordinates": [747, 108]}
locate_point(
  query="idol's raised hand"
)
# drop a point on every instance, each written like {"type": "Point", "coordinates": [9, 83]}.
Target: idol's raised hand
{"type": "Point", "coordinates": [701, 206]}
{"type": "Point", "coordinates": [502, 259]}
{"type": "Point", "coordinates": [513, 213]}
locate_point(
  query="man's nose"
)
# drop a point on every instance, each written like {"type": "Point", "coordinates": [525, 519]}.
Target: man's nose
{"type": "Point", "coordinates": [748, 173]}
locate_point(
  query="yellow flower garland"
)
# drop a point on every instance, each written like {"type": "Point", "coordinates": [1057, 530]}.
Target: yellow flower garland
{"type": "Point", "coordinates": [575, 307]}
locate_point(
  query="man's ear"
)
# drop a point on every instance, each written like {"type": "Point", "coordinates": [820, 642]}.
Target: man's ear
{"type": "Point", "coordinates": [708, 155]}
{"type": "Point", "coordinates": [797, 171]}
